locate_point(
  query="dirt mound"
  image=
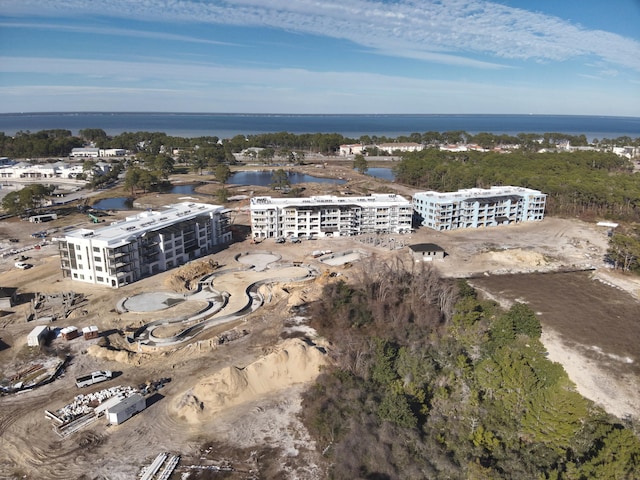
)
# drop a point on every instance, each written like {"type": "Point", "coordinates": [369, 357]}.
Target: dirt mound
{"type": "Point", "coordinates": [113, 355]}
{"type": "Point", "coordinates": [295, 295]}
{"type": "Point", "coordinates": [297, 299]}
{"type": "Point", "coordinates": [293, 362]}
{"type": "Point", "coordinates": [187, 276]}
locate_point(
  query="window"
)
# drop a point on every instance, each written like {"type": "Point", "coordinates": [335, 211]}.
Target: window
{"type": "Point", "coordinates": [98, 268]}
{"type": "Point", "coordinates": [97, 259]}
{"type": "Point", "coordinates": [75, 275]}
{"type": "Point", "coordinates": [96, 249]}
{"type": "Point", "coordinates": [100, 279]}
{"type": "Point", "coordinates": [81, 277]}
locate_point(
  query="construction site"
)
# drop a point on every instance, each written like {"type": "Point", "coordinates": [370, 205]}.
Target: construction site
{"type": "Point", "coordinates": [207, 361]}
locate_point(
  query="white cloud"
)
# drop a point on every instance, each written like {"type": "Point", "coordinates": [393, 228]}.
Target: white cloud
{"type": "Point", "coordinates": [98, 30]}
{"type": "Point", "coordinates": [227, 89]}
{"type": "Point", "coordinates": [455, 29]}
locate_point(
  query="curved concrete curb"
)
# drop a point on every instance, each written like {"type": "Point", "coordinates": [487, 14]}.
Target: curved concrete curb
{"type": "Point", "coordinates": [144, 335]}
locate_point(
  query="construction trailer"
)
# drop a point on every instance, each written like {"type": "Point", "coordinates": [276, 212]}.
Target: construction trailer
{"type": "Point", "coordinates": [38, 336]}
{"type": "Point", "coordinates": [126, 408]}
{"type": "Point", "coordinates": [48, 217]}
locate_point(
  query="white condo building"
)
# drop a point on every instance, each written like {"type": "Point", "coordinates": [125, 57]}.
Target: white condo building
{"type": "Point", "coordinates": [479, 207]}
{"type": "Point", "coordinates": [328, 216]}
{"type": "Point", "coordinates": [144, 244]}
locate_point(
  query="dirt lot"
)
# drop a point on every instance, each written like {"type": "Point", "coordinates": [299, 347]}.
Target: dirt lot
{"type": "Point", "coordinates": [589, 327]}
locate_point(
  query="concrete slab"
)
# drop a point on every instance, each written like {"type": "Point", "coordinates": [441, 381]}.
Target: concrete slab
{"type": "Point", "coordinates": [152, 301]}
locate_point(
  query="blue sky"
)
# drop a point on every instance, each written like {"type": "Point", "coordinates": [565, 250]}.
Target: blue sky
{"type": "Point", "coordinates": [321, 56]}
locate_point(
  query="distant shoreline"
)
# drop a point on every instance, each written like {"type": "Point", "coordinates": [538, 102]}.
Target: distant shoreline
{"type": "Point", "coordinates": [228, 125]}
{"type": "Point", "coordinates": [250, 114]}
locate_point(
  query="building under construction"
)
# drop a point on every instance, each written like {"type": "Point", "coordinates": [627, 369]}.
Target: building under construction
{"type": "Point", "coordinates": [143, 245]}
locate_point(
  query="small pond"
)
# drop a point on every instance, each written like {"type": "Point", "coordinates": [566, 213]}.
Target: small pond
{"type": "Point", "coordinates": [264, 178]}
{"type": "Point", "coordinates": [381, 172]}
{"type": "Point", "coordinates": [181, 189]}
{"type": "Point", "coordinates": [188, 189]}
{"type": "Point", "coordinates": [114, 203]}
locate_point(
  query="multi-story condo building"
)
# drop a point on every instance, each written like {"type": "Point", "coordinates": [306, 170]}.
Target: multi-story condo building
{"type": "Point", "coordinates": [479, 207]}
{"type": "Point", "coordinates": [328, 216]}
{"type": "Point", "coordinates": [144, 244]}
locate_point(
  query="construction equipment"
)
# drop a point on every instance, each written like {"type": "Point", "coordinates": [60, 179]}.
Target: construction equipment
{"type": "Point", "coordinates": [94, 219]}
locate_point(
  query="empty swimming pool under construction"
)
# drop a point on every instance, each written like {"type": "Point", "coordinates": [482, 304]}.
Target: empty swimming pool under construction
{"type": "Point", "coordinates": [220, 297]}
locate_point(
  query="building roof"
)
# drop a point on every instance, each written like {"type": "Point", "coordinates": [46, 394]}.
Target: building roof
{"type": "Point", "coordinates": [493, 199]}
{"type": "Point", "coordinates": [7, 292]}
{"type": "Point", "coordinates": [125, 403]}
{"type": "Point", "coordinates": [426, 247]}
{"type": "Point", "coordinates": [475, 194]}
{"type": "Point", "coordinates": [379, 199]}
{"type": "Point", "coordinates": [399, 145]}
{"type": "Point", "coordinates": [38, 330]}
{"type": "Point", "coordinates": [125, 231]}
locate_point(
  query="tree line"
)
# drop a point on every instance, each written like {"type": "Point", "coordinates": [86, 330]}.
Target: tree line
{"type": "Point", "coordinates": [586, 184]}
{"type": "Point", "coordinates": [589, 185]}
{"type": "Point", "coordinates": [60, 142]}
{"type": "Point", "coordinates": [430, 381]}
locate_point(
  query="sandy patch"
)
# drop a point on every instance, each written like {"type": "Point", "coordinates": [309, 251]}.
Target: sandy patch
{"type": "Point", "coordinates": [617, 395]}
{"type": "Point", "coordinates": [292, 362]}
{"type": "Point", "coordinates": [515, 258]}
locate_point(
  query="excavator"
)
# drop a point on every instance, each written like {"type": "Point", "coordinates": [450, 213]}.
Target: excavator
{"type": "Point", "coordinates": [94, 219]}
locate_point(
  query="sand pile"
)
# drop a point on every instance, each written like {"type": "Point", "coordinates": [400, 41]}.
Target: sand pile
{"type": "Point", "coordinates": [114, 355]}
{"type": "Point", "coordinates": [186, 277]}
{"type": "Point", "coordinates": [293, 362]}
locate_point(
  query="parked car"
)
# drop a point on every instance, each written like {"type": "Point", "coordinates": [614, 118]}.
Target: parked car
{"type": "Point", "coordinates": [22, 265]}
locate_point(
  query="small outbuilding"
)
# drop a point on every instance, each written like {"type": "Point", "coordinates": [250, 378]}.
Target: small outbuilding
{"type": "Point", "coordinates": [47, 217]}
{"type": "Point", "coordinates": [126, 408]}
{"type": "Point", "coordinates": [7, 297]}
{"type": "Point", "coordinates": [90, 332]}
{"type": "Point", "coordinates": [426, 252]}
{"type": "Point", "coordinates": [69, 333]}
{"type": "Point", "coordinates": [38, 336]}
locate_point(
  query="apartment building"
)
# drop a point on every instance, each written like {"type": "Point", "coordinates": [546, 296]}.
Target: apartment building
{"type": "Point", "coordinates": [479, 207]}
{"type": "Point", "coordinates": [144, 244]}
{"type": "Point", "coordinates": [329, 216]}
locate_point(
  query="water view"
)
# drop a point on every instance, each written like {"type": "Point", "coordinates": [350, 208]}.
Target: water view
{"type": "Point", "coordinates": [264, 178]}
{"type": "Point", "coordinates": [353, 126]}
{"type": "Point", "coordinates": [114, 203]}
{"type": "Point", "coordinates": [259, 178]}
{"type": "Point", "coordinates": [188, 189]}
{"type": "Point", "coordinates": [383, 173]}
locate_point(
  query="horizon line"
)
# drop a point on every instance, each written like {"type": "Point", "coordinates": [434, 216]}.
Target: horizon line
{"type": "Point", "coordinates": [105, 112]}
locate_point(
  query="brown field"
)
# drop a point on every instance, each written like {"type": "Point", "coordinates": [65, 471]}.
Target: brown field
{"type": "Point", "coordinates": [584, 311]}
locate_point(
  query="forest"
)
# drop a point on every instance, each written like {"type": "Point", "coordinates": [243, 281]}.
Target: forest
{"type": "Point", "coordinates": [59, 142]}
{"type": "Point", "coordinates": [589, 185]}
{"type": "Point", "coordinates": [430, 381]}
{"type": "Point", "coordinates": [586, 184]}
